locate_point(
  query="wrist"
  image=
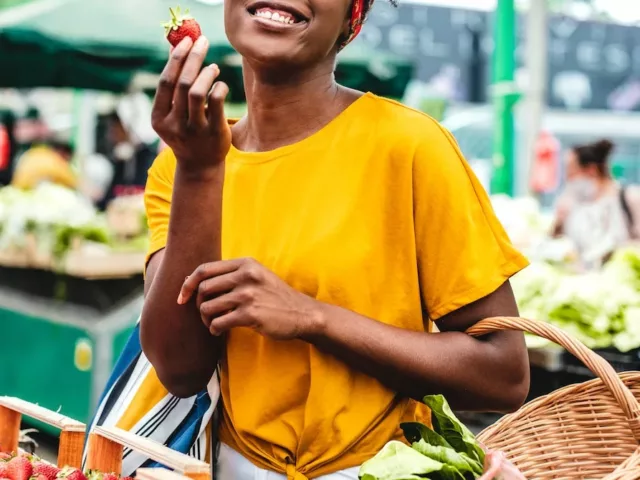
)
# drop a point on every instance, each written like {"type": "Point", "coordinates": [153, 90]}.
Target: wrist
{"type": "Point", "coordinates": [316, 322]}
{"type": "Point", "coordinates": [199, 175]}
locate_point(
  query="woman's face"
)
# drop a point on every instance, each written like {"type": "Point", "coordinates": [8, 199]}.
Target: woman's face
{"type": "Point", "coordinates": [575, 171]}
{"type": "Point", "coordinates": [286, 33]}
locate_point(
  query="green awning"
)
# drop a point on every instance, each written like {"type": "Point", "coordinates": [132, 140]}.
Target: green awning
{"type": "Point", "coordinates": [102, 44]}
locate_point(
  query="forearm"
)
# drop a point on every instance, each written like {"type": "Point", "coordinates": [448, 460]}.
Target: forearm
{"type": "Point", "coordinates": [173, 336]}
{"type": "Point", "coordinates": [473, 374]}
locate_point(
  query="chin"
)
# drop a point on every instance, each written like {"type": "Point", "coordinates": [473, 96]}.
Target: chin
{"type": "Point", "coordinates": [265, 43]}
{"type": "Point", "coordinates": [272, 53]}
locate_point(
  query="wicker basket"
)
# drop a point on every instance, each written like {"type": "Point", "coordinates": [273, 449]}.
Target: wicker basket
{"type": "Point", "coordinates": [585, 431]}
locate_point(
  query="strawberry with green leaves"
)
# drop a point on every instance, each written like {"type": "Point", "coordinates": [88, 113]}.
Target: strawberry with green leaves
{"type": "Point", "coordinates": [70, 473]}
{"type": "Point", "coordinates": [49, 471]}
{"type": "Point", "coordinates": [180, 26]}
{"type": "Point", "coordinates": [19, 468]}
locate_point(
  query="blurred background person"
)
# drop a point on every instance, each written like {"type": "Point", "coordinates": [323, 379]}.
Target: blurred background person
{"type": "Point", "coordinates": [131, 148]}
{"type": "Point", "coordinates": [595, 211]}
{"type": "Point", "coordinates": [48, 162]}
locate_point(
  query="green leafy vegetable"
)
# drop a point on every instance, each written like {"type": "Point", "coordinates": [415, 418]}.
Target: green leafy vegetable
{"type": "Point", "coordinates": [448, 456]}
{"type": "Point", "coordinates": [598, 308]}
{"type": "Point", "coordinates": [448, 452]}
{"type": "Point", "coordinates": [397, 461]}
{"type": "Point", "coordinates": [453, 430]}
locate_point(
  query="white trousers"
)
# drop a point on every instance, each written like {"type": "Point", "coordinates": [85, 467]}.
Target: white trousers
{"type": "Point", "coordinates": [233, 466]}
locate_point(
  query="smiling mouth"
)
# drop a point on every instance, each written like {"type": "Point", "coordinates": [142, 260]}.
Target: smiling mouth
{"type": "Point", "coordinates": [278, 14]}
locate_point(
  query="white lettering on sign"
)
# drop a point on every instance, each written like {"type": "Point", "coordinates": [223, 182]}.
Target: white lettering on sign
{"type": "Point", "coordinates": [430, 46]}
{"type": "Point", "coordinates": [402, 39]}
{"type": "Point", "coordinates": [558, 51]}
{"type": "Point", "coordinates": [372, 36]}
{"type": "Point", "coordinates": [564, 27]}
{"type": "Point", "coordinates": [617, 59]}
{"type": "Point", "coordinates": [588, 55]}
{"type": "Point", "coordinates": [385, 16]}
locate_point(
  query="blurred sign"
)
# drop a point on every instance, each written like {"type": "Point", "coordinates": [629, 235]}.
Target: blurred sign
{"type": "Point", "coordinates": [592, 65]}
{"type": "Point", "coordinates": [545, 174]}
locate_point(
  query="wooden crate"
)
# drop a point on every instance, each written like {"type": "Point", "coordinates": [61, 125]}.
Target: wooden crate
{"type": "Point", "coordinates": [158, 474]}
{"type": "Point", "coordinates": [106, 445]}
{"type": "Point", "coordinates": [72, 432]}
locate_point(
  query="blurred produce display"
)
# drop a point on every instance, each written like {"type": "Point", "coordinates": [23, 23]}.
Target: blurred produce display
{"type": "Point", "coordinates": [54, 228]}
{"type": "Point", "coordinates": [601, 307]}
{"type": "Point", "coordinates": [528, 227]}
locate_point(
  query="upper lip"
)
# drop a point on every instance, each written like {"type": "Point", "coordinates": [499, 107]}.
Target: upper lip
{"type": "Point", "coordinates": [253, 7]}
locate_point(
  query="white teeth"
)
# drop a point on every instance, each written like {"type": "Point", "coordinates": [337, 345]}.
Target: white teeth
{"type": "Point", "coordinates": [274, 16]}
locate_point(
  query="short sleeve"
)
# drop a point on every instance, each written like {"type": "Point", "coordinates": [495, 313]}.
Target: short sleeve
{"type": "Point", "coordinates": [464, 253]}
{"type": "Point", "coordinates": [157, 200]}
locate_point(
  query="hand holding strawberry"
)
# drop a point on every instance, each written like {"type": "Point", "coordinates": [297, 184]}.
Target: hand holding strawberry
{"type": "Point", "coordinates": [181, 26]}
{"type": "Point", "coordinates": [188, 111]}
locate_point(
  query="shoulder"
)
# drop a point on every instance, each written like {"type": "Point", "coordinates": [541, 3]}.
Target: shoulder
{"type": "Point", "coordinates": [405, 123]}
{"type": "Point", "coordinates": [414, 134]}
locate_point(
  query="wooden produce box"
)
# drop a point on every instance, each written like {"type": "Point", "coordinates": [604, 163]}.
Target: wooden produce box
{"type": "Point", "coordinates": [106, 446]}
{"type": "Point", "coordinates": [72, 432]}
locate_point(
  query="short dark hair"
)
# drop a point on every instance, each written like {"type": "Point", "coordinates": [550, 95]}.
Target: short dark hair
{"type": "Point", "coordinates": [597, 154]}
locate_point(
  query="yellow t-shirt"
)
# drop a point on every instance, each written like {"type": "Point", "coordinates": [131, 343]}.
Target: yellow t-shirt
{"type": "Point", "coordinates": [43, 164]}
{"type": "Point", "coordinates": [378, 213]}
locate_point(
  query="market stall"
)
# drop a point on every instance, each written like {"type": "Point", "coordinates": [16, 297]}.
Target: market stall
{"type": "Point", "coordinates": [600, 307]}
{"type": "Point", "coordinates": [70, 283]}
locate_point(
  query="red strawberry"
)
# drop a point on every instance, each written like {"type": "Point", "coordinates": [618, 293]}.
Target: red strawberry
{"type": "Point", "coordinates": [19, 468]}
{"type": "Point", "coordinates": [70, 473]}
{"type": "Point", "coordinates": [4, 470]}
{"type": "Point", "coordinates": [181, 26]}
{"type": "Point", "coordinates": [39, 477]}
{"type": "Point", "coordinates": [48, 470]}
{"type": "Point", "coordinates": [127, 478]}
{"type": "Point", "coordinates": [110, 476]}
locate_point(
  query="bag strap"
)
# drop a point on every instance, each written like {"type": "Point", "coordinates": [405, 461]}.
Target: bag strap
{"type": "Point", "coordinates": [626, 209]}
{"type": "Point", "coordinates": [215, 428]}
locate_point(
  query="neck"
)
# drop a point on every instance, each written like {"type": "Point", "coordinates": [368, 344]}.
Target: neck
{"type": "Point", "coordinates": [283, 108]}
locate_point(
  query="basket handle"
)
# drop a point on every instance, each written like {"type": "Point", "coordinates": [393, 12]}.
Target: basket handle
{"type": "Point", "coordinates": [594, 362]}
{"type": "Point", "coordinates": [72, 432]}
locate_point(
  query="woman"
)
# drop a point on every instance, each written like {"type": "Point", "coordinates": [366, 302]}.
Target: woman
{"type": "Point", "coordinates": [594, 211]}
{"type": "Point", "coordinates": [46, 163]}
{"type": "Point", "coordinates": [347, 225]}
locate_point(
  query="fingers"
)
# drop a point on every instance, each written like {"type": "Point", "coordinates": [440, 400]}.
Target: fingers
{"type": "Point", "coordinates": [492, 466]}
{"type": "Point", "coordinates": [226, 322]}
{"type": "Point", "coordinates": [190, 71]}
{"type": "Point", "coordinates": [198, 95]}
{"type": "Point", "coordinates": [215, 111]}
{"type": "Point", "coordinates": [203, 272]}
{"type": "Point", "coordinates": [169, 79]}
{"type": "Point", "coordinates": [215, 286]}
{"type": "Point", "coordinates": [217, 307]}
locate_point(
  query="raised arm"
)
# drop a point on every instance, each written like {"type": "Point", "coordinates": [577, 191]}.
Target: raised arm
{"type": "Point", "coordinates": [173, 336]}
